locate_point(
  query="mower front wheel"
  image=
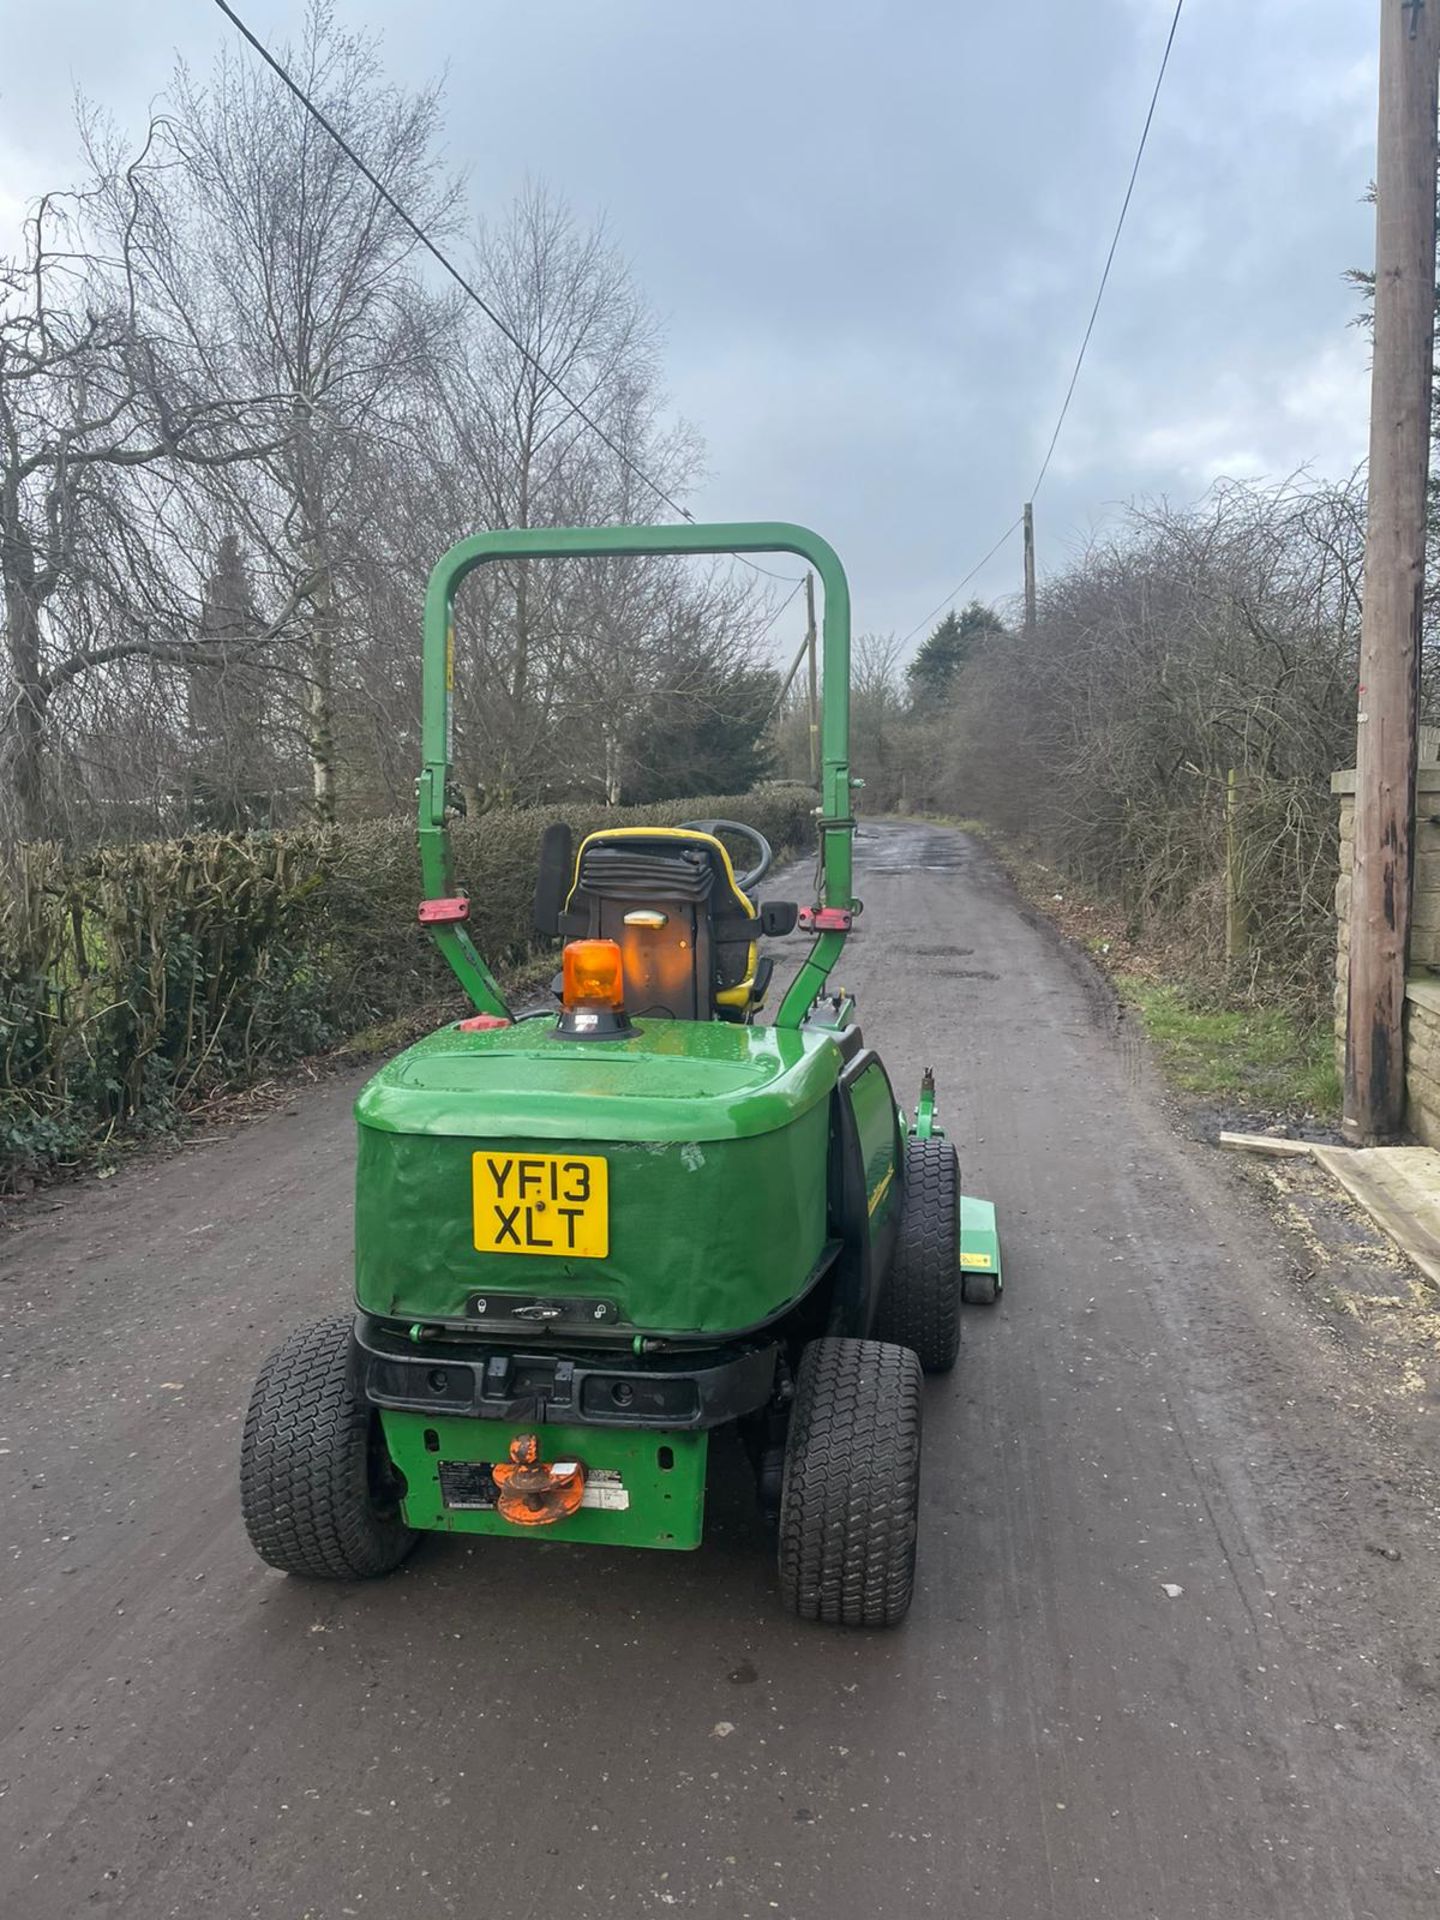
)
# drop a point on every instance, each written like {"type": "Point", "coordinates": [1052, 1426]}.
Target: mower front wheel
{"type": "Point", "coordinates": [316, 1489]}
{"type": "Point", "coordinates": [920, 1300]}
{"type": "Point", "coordinates": [850, 1504]}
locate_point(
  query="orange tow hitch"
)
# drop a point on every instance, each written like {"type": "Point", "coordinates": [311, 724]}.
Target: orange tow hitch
{"type": "Point", "coordinates": [536, 1492]}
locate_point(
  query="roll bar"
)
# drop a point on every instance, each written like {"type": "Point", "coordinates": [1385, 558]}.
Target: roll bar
{"type": "Point", "coordinates": [837, 825]}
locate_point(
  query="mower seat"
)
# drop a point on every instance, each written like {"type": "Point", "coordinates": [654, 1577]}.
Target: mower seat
{"type": "Point", "coordinates": [668, 898]}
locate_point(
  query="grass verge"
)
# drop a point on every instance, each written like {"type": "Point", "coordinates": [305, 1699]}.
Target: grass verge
{"type": "Point", "coordinates": [1254, 1056]}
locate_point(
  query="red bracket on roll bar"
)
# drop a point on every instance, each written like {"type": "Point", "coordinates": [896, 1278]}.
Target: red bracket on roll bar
{"type": "Point", "coordinates": [438, 912]}
{"type": "Point", "coordinates": [825, 919]}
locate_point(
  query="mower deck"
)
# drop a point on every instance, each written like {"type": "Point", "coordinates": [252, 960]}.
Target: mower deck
{"type": "Point", "coordinates": [979, 1236]}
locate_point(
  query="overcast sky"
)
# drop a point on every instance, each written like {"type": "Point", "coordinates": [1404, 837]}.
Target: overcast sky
{"type": "Point", "coordinates": [874, 231]}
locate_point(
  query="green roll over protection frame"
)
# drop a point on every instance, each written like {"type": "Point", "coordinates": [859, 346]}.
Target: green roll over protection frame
{"type": "Point", "coordinates": [837, 825]}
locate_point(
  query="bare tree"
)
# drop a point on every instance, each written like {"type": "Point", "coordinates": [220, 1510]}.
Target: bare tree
{"type": "Point", "coordinates": [236, 426]}
{"type": "Point", "coordinates": [288, 256]}
{"type": "Point", "coordinates": [531, 460]}
{"type": "Point", "coordinates": [92, 400]}
{"type": "Point", "coordinates": [1182, 646]}
{"type": "Point", "coordinates": [877, 719]}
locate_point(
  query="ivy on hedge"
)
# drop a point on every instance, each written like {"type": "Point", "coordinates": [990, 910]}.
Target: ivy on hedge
{"type": "Point", "coordinates": [137, 980]}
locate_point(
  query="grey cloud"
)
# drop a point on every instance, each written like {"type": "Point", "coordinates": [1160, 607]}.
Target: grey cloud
{"type": "Point", "coordinates": [874, 231]}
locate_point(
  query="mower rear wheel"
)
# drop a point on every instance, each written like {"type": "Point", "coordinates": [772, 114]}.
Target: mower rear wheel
{"type": "Point", "coordinates": [315, 1486]}
{"type": "Point", "coordinates": [981, 1289]}
{"type": "Point", "coordinates": [849, 1508]}
{"type": "Point", "coordinates": [920, 1301]}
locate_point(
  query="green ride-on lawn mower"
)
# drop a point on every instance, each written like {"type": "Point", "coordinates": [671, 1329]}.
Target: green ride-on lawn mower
{"type": "Point", "coordinates": [586, 1239]}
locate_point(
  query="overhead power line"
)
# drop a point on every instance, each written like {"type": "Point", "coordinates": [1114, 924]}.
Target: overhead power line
{"type": "Point", "coordinates": [467, 286]}
{"type": "Point", "coordinates": [1114, 243]}
{"type": "Point", "coordinates": [954, 593]}
{"type": "Point", "coordinates": [795, 665]}
{"type": "Point", "coordinates": [782, 606]}
{"type": "Point", "coordinates": [454, 272]}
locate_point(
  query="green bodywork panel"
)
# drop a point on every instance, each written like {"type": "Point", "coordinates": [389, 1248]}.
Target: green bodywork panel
{"type": "Point", "coordinates": [675, 1080]}
{"type": "Point", "coordinates": [873, 1105]}
{"type": "Point", "coordinates": [716, 1143]}
{"type": "Point", "coordinates": [979, 1236]}
{"type": "Point", "coordinates": [664, 1504]}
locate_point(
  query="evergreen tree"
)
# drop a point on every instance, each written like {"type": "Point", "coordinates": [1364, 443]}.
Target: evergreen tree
{"type": "Point", "coordinates": [230, 773]}
{"type": "Point", "coordinates": [705, 734]}
{"type": "Point", "coordinates": [958, 636]}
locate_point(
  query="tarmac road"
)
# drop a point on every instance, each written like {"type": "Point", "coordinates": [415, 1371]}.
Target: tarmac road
{"type": "Point", "coordinates": [1161, 1663]}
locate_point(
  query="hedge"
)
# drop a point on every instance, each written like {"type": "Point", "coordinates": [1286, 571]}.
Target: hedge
{"type": "Point", "coordinates": [137, 981]}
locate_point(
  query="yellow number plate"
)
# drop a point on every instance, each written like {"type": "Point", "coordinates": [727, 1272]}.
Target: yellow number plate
{"type": "Point", "coordinates": [542, 1203]}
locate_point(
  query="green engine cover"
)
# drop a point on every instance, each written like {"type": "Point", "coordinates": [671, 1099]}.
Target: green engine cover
{"type": "Point", "coordinates": [715, 1140]}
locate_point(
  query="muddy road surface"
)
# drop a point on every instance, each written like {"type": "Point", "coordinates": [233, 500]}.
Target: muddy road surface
{"type": "Point", "coordinates": [1174, 1649]}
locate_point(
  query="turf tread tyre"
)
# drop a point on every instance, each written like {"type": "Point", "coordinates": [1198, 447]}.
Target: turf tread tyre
{"type": "Point", "coordinates": [920, 1301]}
{"type": "Point", "coordinates": [849, 1507]}
{"type": "Point", "coordinates": [305, 1465]}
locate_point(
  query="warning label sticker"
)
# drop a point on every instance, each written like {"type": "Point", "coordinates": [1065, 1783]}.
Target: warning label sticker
{"type": "Point", "coordinates": [467, 1486]}
{"type": "Point", "coordinates": [605, 1489]}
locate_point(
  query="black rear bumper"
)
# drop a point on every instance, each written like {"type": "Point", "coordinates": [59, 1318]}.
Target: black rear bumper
{"type": "Point", "coordinates": [689, 1390]}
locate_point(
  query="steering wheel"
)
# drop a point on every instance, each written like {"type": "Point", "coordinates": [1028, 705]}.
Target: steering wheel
{"type": "Point", "coordinates": [753, 875]}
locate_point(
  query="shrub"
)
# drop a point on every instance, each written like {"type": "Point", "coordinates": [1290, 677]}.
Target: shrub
{"type": "Point", "coordinates": [137, 980]}
{"type": "Point", "coordinates": [1190, 683]}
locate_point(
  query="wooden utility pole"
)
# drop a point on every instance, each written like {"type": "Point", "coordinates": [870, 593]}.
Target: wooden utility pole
{"type": "Point", "coordinates": [813, 709]}
{"type": "Point", "coordinates": [1029, 566]}
{"type": "Point", "coordinates": [1386, 734]}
